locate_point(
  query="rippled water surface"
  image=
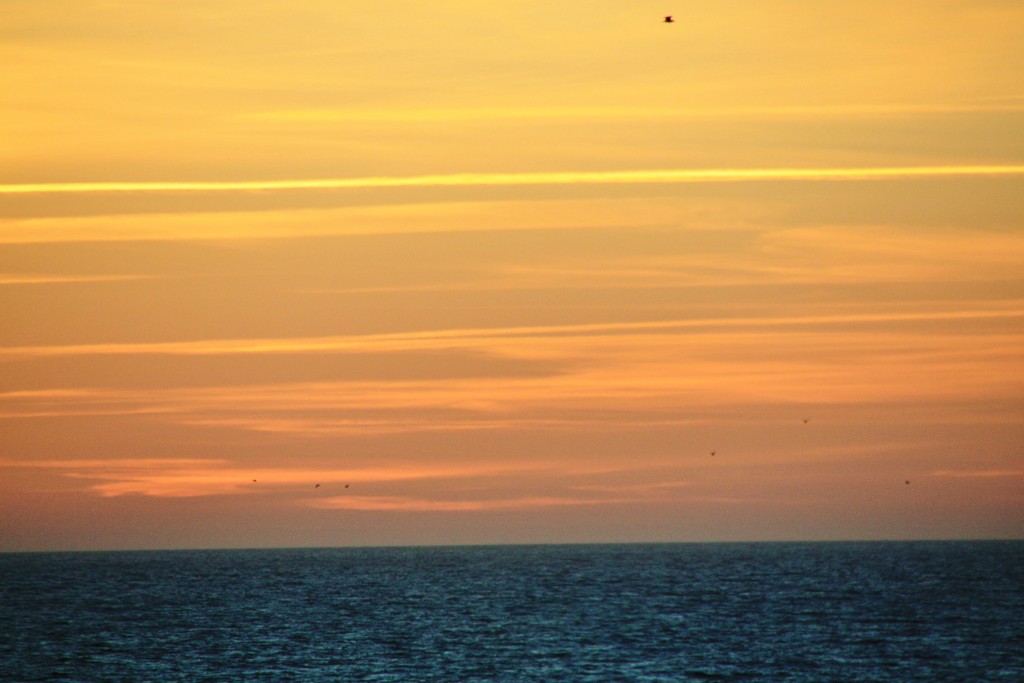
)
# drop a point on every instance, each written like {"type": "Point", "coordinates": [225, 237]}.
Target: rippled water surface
{"type": "Point", "coordinates": [729, 612]}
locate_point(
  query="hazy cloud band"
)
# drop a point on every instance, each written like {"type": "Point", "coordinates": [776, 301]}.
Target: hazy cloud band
{"type": "Point", "coordinates": [449, 338]}
{"type": "Point", "coordinates": [709, 175]}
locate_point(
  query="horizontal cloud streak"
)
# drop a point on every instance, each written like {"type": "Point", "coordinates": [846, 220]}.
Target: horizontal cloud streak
{"type": "Point", "coordinates": [612, 113]}
{"type": "Point", "coordinates": [193, 477]}
{"type": "Point", "coordinates": [708, 175]}
{"type": "Point", "coordinates": [978, 474]}
{"type": "Point", "coordinates": [113, 463]}
{"type": "Point", "coordinates": [66, 279]}
{"type": "Point", "coordinates": [405, 504]}
{"type": "Point", "coordinates": [454, 338]}
{"type": "Point", "coordinates": [639, 382]}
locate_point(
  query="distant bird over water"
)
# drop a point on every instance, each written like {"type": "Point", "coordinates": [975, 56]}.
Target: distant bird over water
{"type": "Point", "coordinates": [669, 19]}
{"type": "Point", "coordinates": [317, 486]}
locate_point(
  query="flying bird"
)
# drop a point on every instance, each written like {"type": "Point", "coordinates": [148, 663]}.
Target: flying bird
{"type": "Point", "coordinates": [907, 481]}
{"type": "Point", "coordinates": [806, 420]}
{"type": "Point", "coordinates": [669, 19]}
{"type": "Point", "coordinates": [317, 486]}
{"type": "Point", "coordinates": [712, 452]}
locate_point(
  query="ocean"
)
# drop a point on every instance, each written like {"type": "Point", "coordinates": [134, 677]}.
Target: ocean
{"type": "Point", "coordinates": [885, 611]}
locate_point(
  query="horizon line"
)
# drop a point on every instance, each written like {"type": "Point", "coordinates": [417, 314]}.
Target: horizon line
{"type": "Point", "coordinates": [662, 176]}
{"type": "Point", "coordinates": [533, 543]}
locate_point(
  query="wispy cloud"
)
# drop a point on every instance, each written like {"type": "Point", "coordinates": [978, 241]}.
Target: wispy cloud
{"type": "Point", "coordinates": [624, 496]}
{"type": "Point", "coordinates": [594, 382]}
{"type": "Point", "coordinates": [978, 474]}
{"type": "Point", "coordinates": [411, 504]}
{"type": "Point", "coordinates": [478, 416]}
{"type": "Point", "coordinates": [461, 338]}
{"type": "Point", "coordinates": [328, 115]}
{"type": "Point", "coordinates": [66, 279]}
{"type": "Point", "coordinates": [195, 477]}
{"type": "Point", "coordinates": [644, 488]}
{"type": "Point", "coordinates": [706, 175]}
{"type": "Point", "coordinates": [110, 463]}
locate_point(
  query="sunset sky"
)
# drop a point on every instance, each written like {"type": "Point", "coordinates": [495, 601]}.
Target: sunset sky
{"type": "Point", "coordinates": [509, 272]}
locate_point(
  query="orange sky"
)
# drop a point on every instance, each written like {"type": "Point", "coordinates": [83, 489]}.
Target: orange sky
{"type": "Point", "coordinates": [510, 272]}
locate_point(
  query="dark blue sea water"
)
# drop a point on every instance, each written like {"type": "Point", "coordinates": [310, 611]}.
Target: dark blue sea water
{"type": "Point", "coordinates": [917, 611]}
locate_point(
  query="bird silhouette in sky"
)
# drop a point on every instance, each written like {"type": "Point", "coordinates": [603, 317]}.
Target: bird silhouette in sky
{"type": "Point", "coordinates": [317, 486]}
{"type": "Point", "coordinates": [669, 19]}
{"type": "Point", "coordinates": [712, 452]}
{"type": "Point", "coordinates": [806, 420]}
